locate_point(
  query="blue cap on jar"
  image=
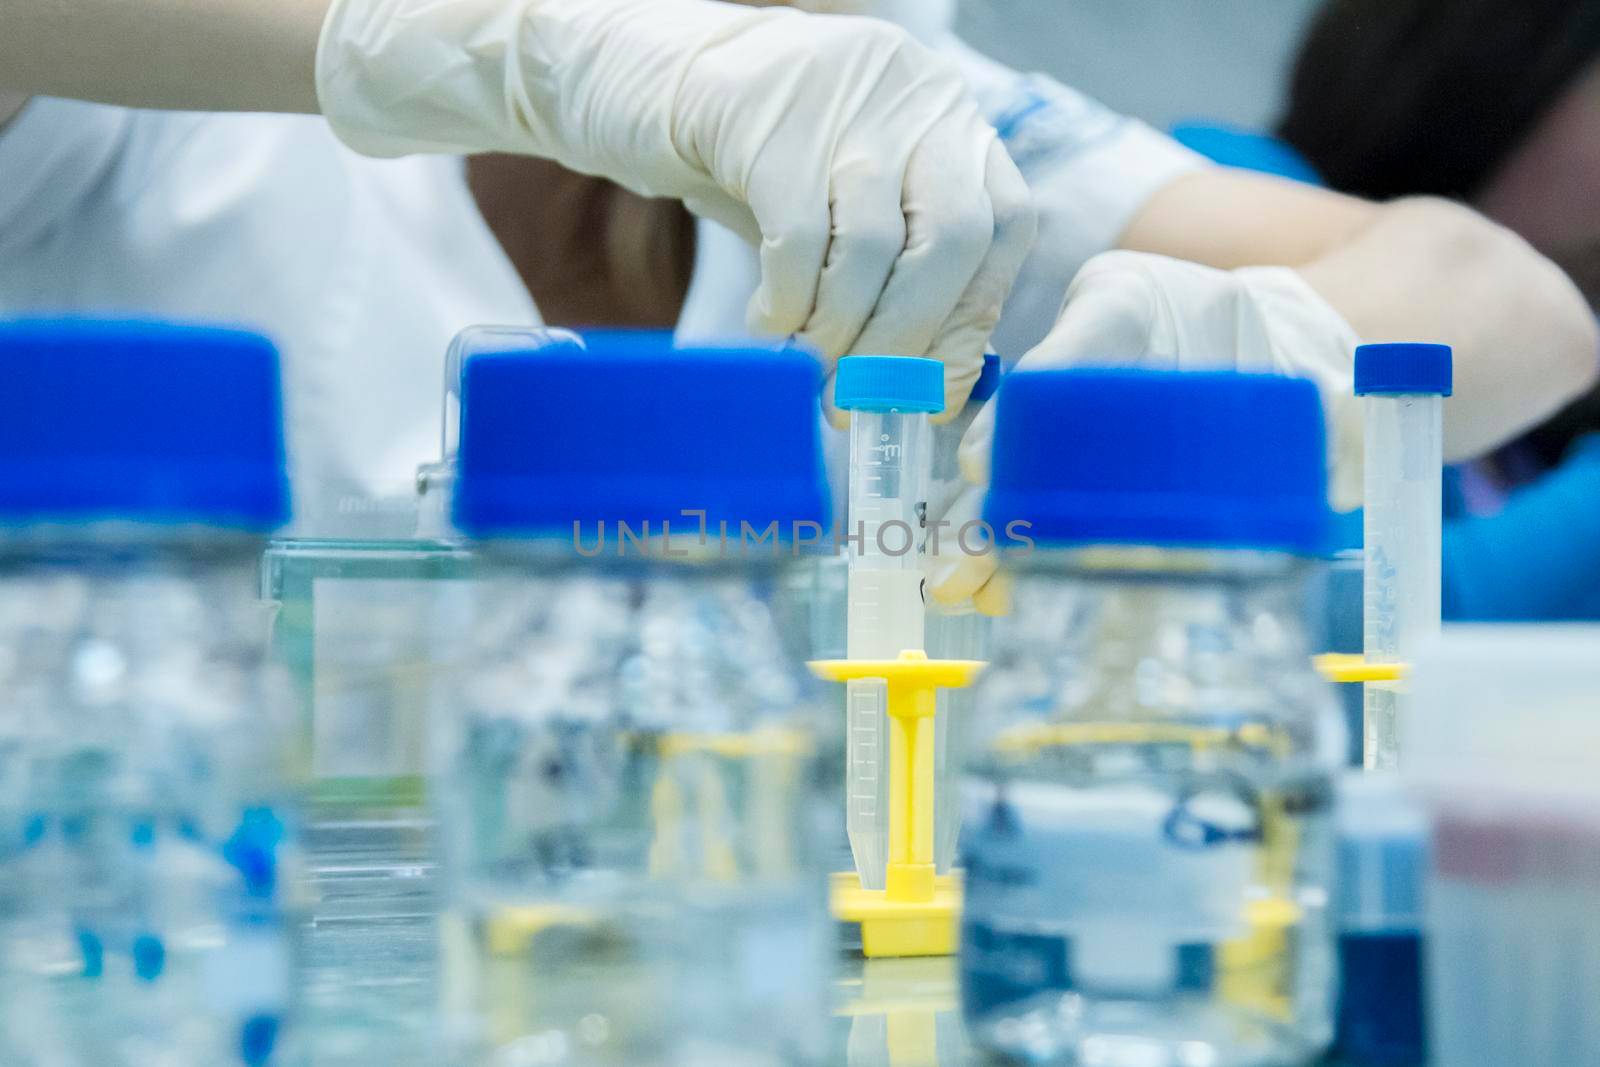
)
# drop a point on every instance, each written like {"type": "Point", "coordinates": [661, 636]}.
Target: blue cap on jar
{"type": "Point", "coordinates": [134, 421]}
{"type": "Point", "coordinates": [1404, 370]}
{"type": "Point", "coordinates": [1164, 458]}
{"type": "Point", "coordinates": [627, 428]}
{"type": "Point", "coordinates": [889, 383]}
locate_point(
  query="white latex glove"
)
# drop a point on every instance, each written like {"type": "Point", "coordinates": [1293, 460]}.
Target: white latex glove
{"type": "Point", "coordinates": [889, 217]}
{"type": "Point", "coordinates": [928, 20]}
{"type": "Point", "coordinates": [1135, 309]}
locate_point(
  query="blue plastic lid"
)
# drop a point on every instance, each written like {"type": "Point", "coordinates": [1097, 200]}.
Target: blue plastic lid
{"type": "Point", "coordinates": [1167, 458]}
{"type": "Point", "coordinates": [1404, 369]}
{"type": "Point", "coordinates": [625, 428]}
{"type": "Point", "coordinates": [988, 382]}
{"type": "Point", "coordinates": [889, 383]}
{"type": "Point", "coordinates": [139, 421]}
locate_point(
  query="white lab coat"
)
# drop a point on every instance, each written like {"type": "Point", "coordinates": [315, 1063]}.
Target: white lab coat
{"type": "Point", "coordinates": [361, 270]}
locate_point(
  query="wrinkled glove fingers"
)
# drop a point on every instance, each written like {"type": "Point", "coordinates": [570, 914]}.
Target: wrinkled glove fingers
{"type": "Point", "coordinates": [965, 334]}
{"type": "Point", "coordinates": [949, 231]}
{"type": "Point", "coordinates": [795, 236]}
{"type": "Point", "coordinates": [868, 234]}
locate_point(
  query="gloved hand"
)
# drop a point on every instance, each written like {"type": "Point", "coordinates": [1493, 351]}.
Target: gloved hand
{"type": "Point", "coordinates": [928, 20]}
{"type": "Point", "coordinates": [889, 217]}
{"type": "Point", "coordinates": [1135, 309]}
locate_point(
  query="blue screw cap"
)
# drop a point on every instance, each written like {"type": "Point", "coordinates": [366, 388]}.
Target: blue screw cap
{"type": "Point", "coordinates": [988, 382]}
{"type": "Point", "coordinates": [615, 427]}
{"type": "Point", "coordinates": [1404, 370]}
{"type": "Point", "coordinates": [889, 383]}
{"type": "Point", "coordinates": [1162, 458]}
{"type": "Point", "coordinates": [109, 420]}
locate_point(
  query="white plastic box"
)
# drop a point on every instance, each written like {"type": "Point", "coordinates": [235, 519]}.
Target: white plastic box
{"type": "Point", "coordinates": [1504, 746]}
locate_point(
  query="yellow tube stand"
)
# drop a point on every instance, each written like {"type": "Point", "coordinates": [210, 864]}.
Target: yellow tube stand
{"type": "Point", "coordinates": [1346, 668]}
{"type": "Point", "coordinates": [915, 914]}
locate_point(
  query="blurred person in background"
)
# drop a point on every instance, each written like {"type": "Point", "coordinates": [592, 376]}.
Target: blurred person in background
{"type": "Point", "coordinates": [1162, 61]}
{"type": "Point", "coordinates": [1147, 254]}
{"type": "Point", "coordinates": [1494, 103]}
{"type": "Point", "coordinates": [1103, 182]}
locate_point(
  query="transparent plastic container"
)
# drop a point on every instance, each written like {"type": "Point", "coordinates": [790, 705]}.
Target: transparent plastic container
{"type": "Point", "coordinates": [1404, 386]}
{"type": "Point", "coordinates": [356, 625]}
{"type": "Point", "coordinates": [149, 811]}
{"type": "Point", "coordinates": [1148, 838]}
{"type": "Point", "coordinates": [889, 400]}
{"type": "Point", "coordinates": [632, 794]}
{"type": "Point", "coordinates": [1503, 747]}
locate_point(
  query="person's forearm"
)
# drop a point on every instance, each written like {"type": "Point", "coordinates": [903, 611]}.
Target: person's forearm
{"type": "Point", "coordinates": [202, 55]}
{"type": "Point", "coordinates": [1418, 269]}
{"type": "Point", "coordinates": [1525, 340]}
{"type": "Point", "coordinates": [1226, 218]}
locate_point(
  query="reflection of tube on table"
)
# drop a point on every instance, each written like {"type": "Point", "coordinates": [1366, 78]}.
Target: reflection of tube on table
{"type": "Point", "coordinates": [1404, 386]}
{"type": "Point", "coordinates": [903, 1013]}
{"type": "Point", "coordinates": [889, 399]}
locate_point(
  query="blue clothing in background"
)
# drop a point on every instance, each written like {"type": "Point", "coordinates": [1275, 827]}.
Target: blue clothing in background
{"type": "Point", "coordinates": [1535, 560]}
{"type": "Point", "coordinates": [1236, 146]}
{"type": "Point", "coordinates": [1538, 559]}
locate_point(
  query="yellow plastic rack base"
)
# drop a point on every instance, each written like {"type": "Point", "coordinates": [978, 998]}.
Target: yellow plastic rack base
{"type": "Point", "coordinates": [893, 924]}
{"type": "Point", "coordinates": [1347, 667]}
{"type": "Point", "coordinates": [915, 913]}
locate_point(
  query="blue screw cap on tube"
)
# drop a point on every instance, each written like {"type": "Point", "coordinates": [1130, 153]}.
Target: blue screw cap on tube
{"type": "Point", "coordinates": [1404, 370]}
{"type": "Point", "coordinates": [616, 427]}
{"type": "Point", "coordinates": [147, 422]}
{"type": "Point", "coordinates": [988, 382]}
{"type": "Point", "coordinates": [889, 383]}
{"type": "Point", "coordinates": [1164, 458]}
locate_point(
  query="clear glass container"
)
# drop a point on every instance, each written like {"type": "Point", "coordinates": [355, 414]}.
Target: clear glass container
{"type": "Point", "coordinates": [1148, 836]}
{"type": "Point", "coordinates": [148, 806]}
{"type": "Point", "coordinates": [635, 791]}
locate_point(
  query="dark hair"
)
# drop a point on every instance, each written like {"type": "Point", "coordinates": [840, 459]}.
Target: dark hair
{"type": "Point", "coordinates": [1406, 97]}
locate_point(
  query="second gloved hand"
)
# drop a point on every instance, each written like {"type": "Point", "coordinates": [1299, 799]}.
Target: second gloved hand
{"type": "Point", "coordinates": [1136, 309]}
{"type": "Point", "coordinates": [889, 217]}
